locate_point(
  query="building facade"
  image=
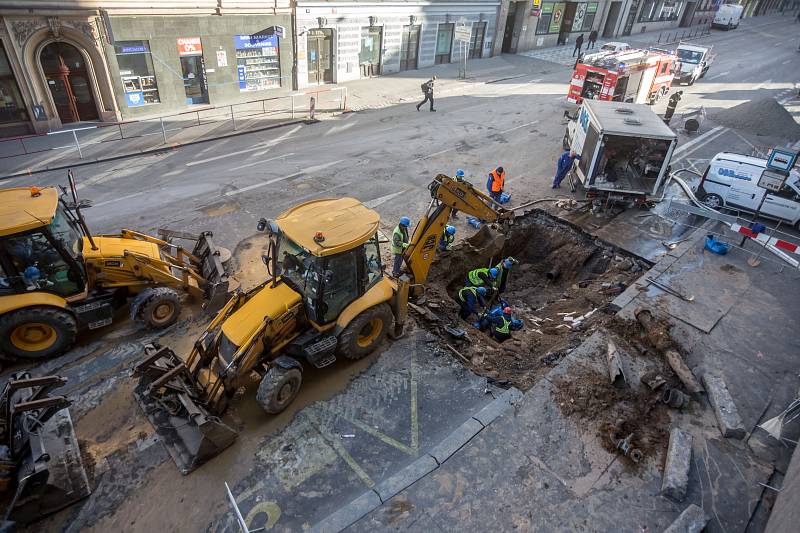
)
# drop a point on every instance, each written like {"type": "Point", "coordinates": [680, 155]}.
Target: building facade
{"type": "Point", "coordinates": [343, 40]}
{"type": "Point", "coordinates": [63, 63]}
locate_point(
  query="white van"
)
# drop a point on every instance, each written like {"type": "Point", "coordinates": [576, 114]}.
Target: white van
{"type": "Point", "coordinates": [727, 16]}
{"type": "Point", "coordinates": [731, 180]}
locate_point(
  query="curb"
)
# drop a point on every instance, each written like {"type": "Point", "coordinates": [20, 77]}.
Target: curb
{"type": "Point", "coordinates": [160, 149]}
{"type": "Point", "coordinates": [354, 511]}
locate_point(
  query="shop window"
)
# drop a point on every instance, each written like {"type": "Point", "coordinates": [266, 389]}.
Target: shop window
{"type": "Point", "coordinates": [12, 108]}
{"type": "Point", "coordinates": [546, 19]}
{"type": "Point", "coordinates": [258, 62]}
{"type": "Point", "coordinates": [444, 43]}
{"type": "Point", "coordinates": [136, 70]}
{"type": "Point", "coordinates": [660, 10]}
{"type": "Point", "coordinates": [588, 19]}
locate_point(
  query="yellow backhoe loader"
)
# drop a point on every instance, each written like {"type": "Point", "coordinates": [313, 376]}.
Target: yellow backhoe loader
{"type": "Point", "coordinates": [57, 278]}
{"type": "Point", "coordinates": [326, 296]}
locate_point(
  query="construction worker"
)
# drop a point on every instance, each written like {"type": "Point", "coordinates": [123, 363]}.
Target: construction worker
{"type": "Point", "coordinates": [399, 244]}
{"type": "Point", "coordinates": [671, 106]}
{"type": "Point", "coordinates": [503, 267]}
{"type": "Point", "coordinates": [563, 166]}
{"type": "Point", "coordinates": [482, 277]}
{"type": "Point", "coordinates": [501, 325]}
{"type": "Point", "coordinates": [468, 298]}
{"type": "Point", "coordinates": [495, 183]}
{"type": "Point", "coordinates": [447, 238]}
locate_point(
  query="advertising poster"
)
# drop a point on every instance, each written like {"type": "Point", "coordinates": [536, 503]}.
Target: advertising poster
{"type": "Point", "coordinates": [558, 16]}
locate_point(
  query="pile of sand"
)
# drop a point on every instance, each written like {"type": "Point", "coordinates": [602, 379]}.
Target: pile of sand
{"type": "Point", "coordinates": [765, 118]}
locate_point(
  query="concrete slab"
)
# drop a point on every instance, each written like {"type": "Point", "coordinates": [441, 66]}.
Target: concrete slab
{"type": "Point", "coordinates": [348, 514]}
{"type": "Point", "coordinates": [453, 442]}
{"type": "Point", "coordinates": [692, 520]}
{"type": "Point", "coordinates": [730, 424]}
{"type": "Point", "coordinates": [487, 415]}
{"type": "Point", "coordinates": [676, 469]}
{"type": "Point", "coordinates": [405, 477]}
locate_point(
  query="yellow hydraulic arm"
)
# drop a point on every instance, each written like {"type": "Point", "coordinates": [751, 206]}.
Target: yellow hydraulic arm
{"type": "Point", "coordinates": [447, 194]}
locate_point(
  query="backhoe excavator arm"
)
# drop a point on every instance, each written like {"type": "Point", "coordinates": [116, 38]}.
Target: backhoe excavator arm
{"type": "Point", "coordinates": [447, 194]}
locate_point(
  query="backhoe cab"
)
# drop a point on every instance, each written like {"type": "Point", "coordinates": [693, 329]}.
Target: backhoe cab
{"type": "Point", "coordinates": [57, 278]}
{"type": "Point", "coordinates": [326, 296]}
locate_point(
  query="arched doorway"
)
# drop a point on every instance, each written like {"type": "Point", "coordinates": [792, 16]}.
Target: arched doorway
{"type": "Point", "coordinates": [68, 80]}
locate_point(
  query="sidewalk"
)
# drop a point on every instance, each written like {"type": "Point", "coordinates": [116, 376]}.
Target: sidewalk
{"type": "Point", "coordinates": [547, 465]}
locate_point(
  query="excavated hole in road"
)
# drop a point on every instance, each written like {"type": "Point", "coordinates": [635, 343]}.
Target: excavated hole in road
{"type": "Point", "coordinates": [562, 272]}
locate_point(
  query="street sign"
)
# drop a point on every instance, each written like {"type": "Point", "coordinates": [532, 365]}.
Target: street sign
{"type": "Point", "coordinates": [782, 159]}
{"type": "Point", "coordinates": [462, 33]}
{"type": "Point", "coordinates": [771, 180]}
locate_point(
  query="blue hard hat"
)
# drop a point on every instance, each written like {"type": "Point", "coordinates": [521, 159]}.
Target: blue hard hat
{"type": "Point", "coordinates": [31, 273]}
{"type": "Point", "coordinates": [451, 230]}
{"type": "Point", "coordinates": [482, 291]}
{"type": "Point", "coordinates": [405, 221]}
{"type": "Point", "coordinates": [459, 173]}
{"type": "Point", "coordinates": [493, 272]}
{"type": "Point", "coordinates": [508, 263]}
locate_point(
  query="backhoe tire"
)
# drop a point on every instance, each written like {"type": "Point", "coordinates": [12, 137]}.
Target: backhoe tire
{"type": "Point", "coordinates": [278, 388]}
{"type": "Point", "coordinates": [157, 307]}
{"type": "Point", "coordinates": [37, 332]}
{"type": "Point", "coordinates": [365, 332]}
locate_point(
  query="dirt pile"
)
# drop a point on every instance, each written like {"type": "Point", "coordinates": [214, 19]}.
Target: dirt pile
{"type": "Point", "coordinates": [563, 274]}
{"type": "Point", "coordinates": [764, 117]}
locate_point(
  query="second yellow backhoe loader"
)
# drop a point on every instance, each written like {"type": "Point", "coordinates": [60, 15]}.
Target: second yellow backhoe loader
{"type": "Point", "coordinates": [57, 278]}
{"type": "Point", "coordinates": [326, 296]}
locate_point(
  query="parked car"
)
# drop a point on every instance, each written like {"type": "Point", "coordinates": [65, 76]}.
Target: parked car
{"type": "Point", "coordinates": [693, 62]}
{"type": "Point", "coordinates": [727, 16]}
{"type": "Point", "coordinates": [615, 47]}
{"type": "Point", "coordinates": [731, 180]}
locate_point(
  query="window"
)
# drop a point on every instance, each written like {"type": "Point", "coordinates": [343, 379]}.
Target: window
{"type": "Point", "coordinates": [444, 43]}
{"type": "Point", "coordinates": [372, 261]}
{"type": "Point", "coordinates": [689, 56]}
{"type": "Point", "coordinates": [136, 70]}
{"type": "Point", "coordinates": [660, 10]}
{"type": "Point", "coordinates": [300, 270]}
{"type": "Point", "coordinates": [258, 62]}
{"type": "Point", "coordinates": [588, 19]}
{"type": "Point", "coordinates": [476, 39]}
{"type": "Point", "coordinates": [40, 265]}
{"type": "Point", "coordinates": [341, 284]}
{"type": "Point", "coordinates": [369, 58]}
{"type": "Point", "coordinates": [6, 283]}
{"type": "Point", "coordinates": [12, 108]}
{"type": "Point", "coordinates": [544, 19]}
{"type": "Point", "coordinates": [664, 68]}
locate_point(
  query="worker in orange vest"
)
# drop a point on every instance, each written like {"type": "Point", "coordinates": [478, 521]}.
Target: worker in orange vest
{"type": "Point", "coordinates": [495, 183]}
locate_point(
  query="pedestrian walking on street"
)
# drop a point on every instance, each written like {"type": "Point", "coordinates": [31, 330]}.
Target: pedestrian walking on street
{"type": "Point", "coordinates": [427, 90]}
{"type": "Point", "coordinates": [578, 45]}
{"type": "Point", "coordinates": [496, 183]}
{"type": "Point", "coordinates": [469, 298]}
{"type": "Point", "coordinates": [592, 39]}
{"type": "Point", "coordinates": [671, 106]}
{"type": "Point", "coordinates": [563, 166]}
{"type": "Point", "coordinates": [399, 244]}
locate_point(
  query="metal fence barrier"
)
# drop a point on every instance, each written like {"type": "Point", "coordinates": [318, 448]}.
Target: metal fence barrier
{"type": "Point", "coordinates": [683, 35]}
{"type": "Point", "coordinates": [239, 117]}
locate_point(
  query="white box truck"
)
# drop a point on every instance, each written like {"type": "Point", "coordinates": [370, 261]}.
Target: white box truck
{"type": "Point", "coordinates": [625, 150]}
{"type": "Point", "coordinates": [727, 16]}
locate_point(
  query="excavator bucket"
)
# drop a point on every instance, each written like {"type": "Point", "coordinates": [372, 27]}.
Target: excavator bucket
{"type": "Point", "coordinates": [39, 449]}
{"type": "Point", "coordinates": [487, 241]}
{"type": "Point", "coordinates": [175, 407]}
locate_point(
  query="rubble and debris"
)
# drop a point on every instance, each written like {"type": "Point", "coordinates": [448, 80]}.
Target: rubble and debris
{"type": "Point", "coordinates": [654, 380]}
{"type": "Point", "coordinates": [730, 423]}
{"type": "Point", "coordinates": [615, 370]}
{"type": "Point", "coordinates": [659, 336]}
{"type": "Point", "coordinates": [676, 468]}
{"type": "Point", "coordinates": [674, 398]}
{"type": "Point", "coordinates": [625, 446]}
{"type": "Point", "coordinates": [692, 520]}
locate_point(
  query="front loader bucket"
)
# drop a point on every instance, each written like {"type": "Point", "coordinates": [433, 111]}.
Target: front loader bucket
{"type": "Point", "coordinates": [51, 475]}
{"type": "Point", "coordinates": [172, 403]}
{"type": "Point", "coordinates": [212, 268]}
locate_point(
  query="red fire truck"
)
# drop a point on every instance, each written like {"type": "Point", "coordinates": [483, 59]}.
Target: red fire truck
{"type": "Point", "coordinates": [636, 76]}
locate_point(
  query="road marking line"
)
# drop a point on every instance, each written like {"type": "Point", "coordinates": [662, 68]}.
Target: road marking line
{"type": "Point", "coordinates": [246, 151]}
{"type": "Point", "coordinates": [762, 85]}
{"type": "Point", "coordinates": [691, 143]}
{"type": "Point", "coordinates": [120, 198]}
{"type": "Point", "coordinates": [433, 154]}
{"type": "Point", "coordinates": [518, 127]}
{"type": "Point", "coordinates": [372, 204]}
{"type": "Point", "coordinates": [786, 62]}
{"type": "Point", "coordinates": [719, 75]}
{"type": "Point", "coordinates": [254, 163]}
{"type": "Point", "coordinates": [697, 147]}
{"type": "Point", "coordinates": [282, 178]}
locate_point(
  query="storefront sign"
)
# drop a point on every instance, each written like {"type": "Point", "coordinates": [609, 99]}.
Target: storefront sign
{"type": "Point", "coordinates": [240, 70]}
{"type": "Point", "coordinates": [536, 7]}
{"type": "Point", "coordinates": [136, 49]}
{"type": "Point", "coordinates": [245, 42]}
{"type": "Point", "coordinates": [189, 46]}
{"type": "Point", "coordinates": [558, 15]}
{"type": "Point", "coordinates": [134, 99]}
{"type": "Point", "coordinates": [222, 58]}
{"type": "Point", "coordinates": [592, 7]}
